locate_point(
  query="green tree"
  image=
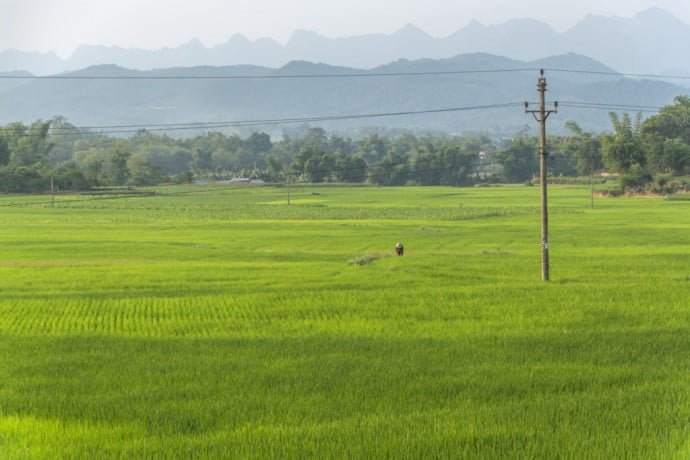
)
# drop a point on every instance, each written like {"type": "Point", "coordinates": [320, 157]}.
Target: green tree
{"type": "Point", "coordinates": [201, 159]}
{"type": "Point", "coordinates": [672, 122]}
{"type": "Point", "coordinates": [424, 167]}
{"type": "Point", "coordinates": [115, 171]}
{"type": "Point", "coordinates": [519, 159]}
{"type": "Point", "coordinates": [373, 148]}
{"type": "Point", "coordinates": [350, 168]}
{"type": "Point", "coordinates": [91, 164]}
{"type": "Point", "coordinates": [244, 159]}
{"type": "Point", "coordinates": [327, 167]}
{"type": "Point", "coordinates": [338, 144]}
{"type": "Point", "coordinates": [623, 148]}
{"type": "Point", "coordinates": [311, 171]}
{"type": "Point", "coordinates": [69, 177]}
{"type": "Point", "coordinates": [141, 172]}
{"type": "Point", "coordinates": [676, 156]}
{"type": "Point", "coordinates": [307, 164]}
{"type": "Point", "coordinates": [4, 152]}
{"type": "Point", "coordinates": [21, 179]}
{"type": "Point", "coordinates": [259, 143]}
{"type": "Point", "coordinates": [63, 136]}
{"type": "Point", "coordinates": [315, 138]}
{"type": "Point", "coordinates": [667, 137]}
{"type": "Point", "coordinates": [28, 145]}
{"type": "Point", "coordinates": [584, 148]}
{"type": "Point", "coordinates": [223, 160]}
{"type": "Point", "coordinates": [403, 144]}
{"type": "Point", "coordinates": [392, 170]}
{"type": "Point", "coordinates": [274, 169]}
{"type": "Point", "coordinates": [457, 165]}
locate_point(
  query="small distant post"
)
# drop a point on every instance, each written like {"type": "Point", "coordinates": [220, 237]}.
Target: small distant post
{"type": "Point", "coordinates": [541, 115]}
{"type": "Point", "coordinates": [287, 182]}
{"type": "Point", "coordinates": [52, 192]}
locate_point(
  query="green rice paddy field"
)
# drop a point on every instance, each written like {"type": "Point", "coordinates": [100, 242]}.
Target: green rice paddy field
{"type": "Point", "coordinates": [217, 322]}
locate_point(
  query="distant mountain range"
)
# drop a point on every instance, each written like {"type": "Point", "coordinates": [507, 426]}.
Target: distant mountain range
{"type": "Point", "coordinates": [135, 101]}
{"type": "Point", "coordinates": [653, 41]}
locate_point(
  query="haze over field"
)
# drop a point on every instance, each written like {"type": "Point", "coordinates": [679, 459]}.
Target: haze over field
{"type": "Point", "coordinates": [633, 36]}
{"type": "Point", "coordinates": [199, 229]}
{"type": "Point", "coordinates": [178, 97]}
{"type": "Point", "coordinates": [61, 26]}
{"type": "Point", "coordinates": [221, 38]}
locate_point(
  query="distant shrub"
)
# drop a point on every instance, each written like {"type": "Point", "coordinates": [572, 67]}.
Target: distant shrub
{"type": "Point", "coordinates": [586, 180]}
{"type": "Point", "coordinates": [661, 180]}
{"type": "Point", "coordinates": [635, 179]}
{"type": "Point", "coordinates": [185, 177]}
{"type": "Point", "coordinates": [22, 180]}
{"type": "Point", "coordinates": [676, 185]}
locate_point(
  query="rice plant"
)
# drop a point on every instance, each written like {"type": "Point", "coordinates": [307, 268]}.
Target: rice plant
{"type": "Point", "coordinates": [220, 322]}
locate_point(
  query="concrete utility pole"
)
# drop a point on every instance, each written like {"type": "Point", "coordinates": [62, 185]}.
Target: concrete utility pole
{"type": "Point", "coordinates": [541, 115]}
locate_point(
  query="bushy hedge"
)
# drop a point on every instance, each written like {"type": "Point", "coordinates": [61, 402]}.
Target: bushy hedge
{"type": "Point", "coordinates": [25, 179]}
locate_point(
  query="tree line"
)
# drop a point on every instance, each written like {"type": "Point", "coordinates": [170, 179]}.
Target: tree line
{"type": "Point", "coordinates": [31, 156]}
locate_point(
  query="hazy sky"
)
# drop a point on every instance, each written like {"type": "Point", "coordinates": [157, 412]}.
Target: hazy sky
{"type": "Point", "coordinates": [61, 25]}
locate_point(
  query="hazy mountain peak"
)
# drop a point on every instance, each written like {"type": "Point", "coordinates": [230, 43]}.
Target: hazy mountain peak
{"type": "Point", "coordinates": [238, 38]}
{"type": "Point", "coordinates": [306, 67]}
{"type": "Point", "coordinates": [101, 70]}
{"type": "Point", "coordinates": [656, 14]}
{"type": "Point", "coordinates": [411, 31]}
{"type": "Point", "coordinates": [301, 35]}
{"type": "Point", "coordinates": [572, 61]}
{"type": "Point", "coordinates": [36, 62]}
{"type": "Point", "coordinates": [526, 24]}
{"type": "Point", "coordinates": [193, 43]}
{"type": "Point", "coordinates": [649, 42]}
{"type": "Point", "coordinates": [475, 24]}
{"type": "Point", "coordinates": [597, 20]}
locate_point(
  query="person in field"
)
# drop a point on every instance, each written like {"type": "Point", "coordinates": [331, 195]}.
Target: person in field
{"type": "Point", "coordinates": [399, 249]}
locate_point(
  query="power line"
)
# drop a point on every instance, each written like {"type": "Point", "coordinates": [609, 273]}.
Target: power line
{"type": "Point", "coordinates": [123, 129]}
{"type": "Point", "coordinates": [610, 106]}
{"type": "Point", "coordinates": [620, 74]}
{"type": "Point", "coordinates": [262, 77]}
{"type": "Point", "coordinates": [134, 128]}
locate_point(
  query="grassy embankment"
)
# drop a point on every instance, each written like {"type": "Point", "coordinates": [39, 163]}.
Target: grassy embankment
{"type": "Point", "coordinates": [220, 322]}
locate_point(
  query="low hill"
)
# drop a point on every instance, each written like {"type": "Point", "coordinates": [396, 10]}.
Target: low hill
{"type": "Point", "coordinates": [204, 94]}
